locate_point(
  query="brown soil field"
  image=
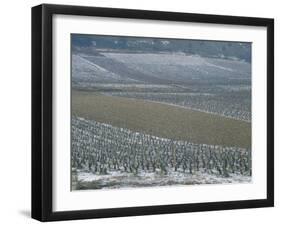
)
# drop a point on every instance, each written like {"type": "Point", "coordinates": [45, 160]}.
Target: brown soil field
{"type": "Point", "coordinates": [161, 120]}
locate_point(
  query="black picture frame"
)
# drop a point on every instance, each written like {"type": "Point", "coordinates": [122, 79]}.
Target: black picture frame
{"type": "Point", "coordinates": [42, 106]}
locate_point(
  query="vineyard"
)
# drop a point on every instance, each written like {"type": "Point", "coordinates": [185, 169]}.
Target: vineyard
{"type": "Point", "coordinates": [158, 112]}
{"type": "Point", "coordinates": [217, 86]}
{"type": "Point", "coordinates": [104, 156]}
{"type": "Point", "coordinates": [234, 105]}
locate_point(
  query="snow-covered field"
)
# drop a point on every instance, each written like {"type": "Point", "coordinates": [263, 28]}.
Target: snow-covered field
{"type": "Point", "coordinates": [219, 86]}
{"type": "Point", "coordinates": [85, 70]}
{"type": "Point", "coordinates": [179, 66]}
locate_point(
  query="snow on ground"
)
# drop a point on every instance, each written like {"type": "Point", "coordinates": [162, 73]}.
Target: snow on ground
{"type": "Point", "coordinates": [85, 69]}
{"type": "Point", "coordinates": [155, 58]}
{"type": "Point", "coordinates": [115, 179]}
{"type": "Point", "coordinates": [186, 64]}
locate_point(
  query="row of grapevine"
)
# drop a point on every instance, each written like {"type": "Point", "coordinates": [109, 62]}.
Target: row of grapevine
{"type": "Point", "coordinates": [100, 148]}
{"type": "Point", "coordinates": [232, 104]}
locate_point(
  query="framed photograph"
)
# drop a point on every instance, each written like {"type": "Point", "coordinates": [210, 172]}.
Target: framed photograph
{"type": "Point", "coordinates": [145, 112]}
